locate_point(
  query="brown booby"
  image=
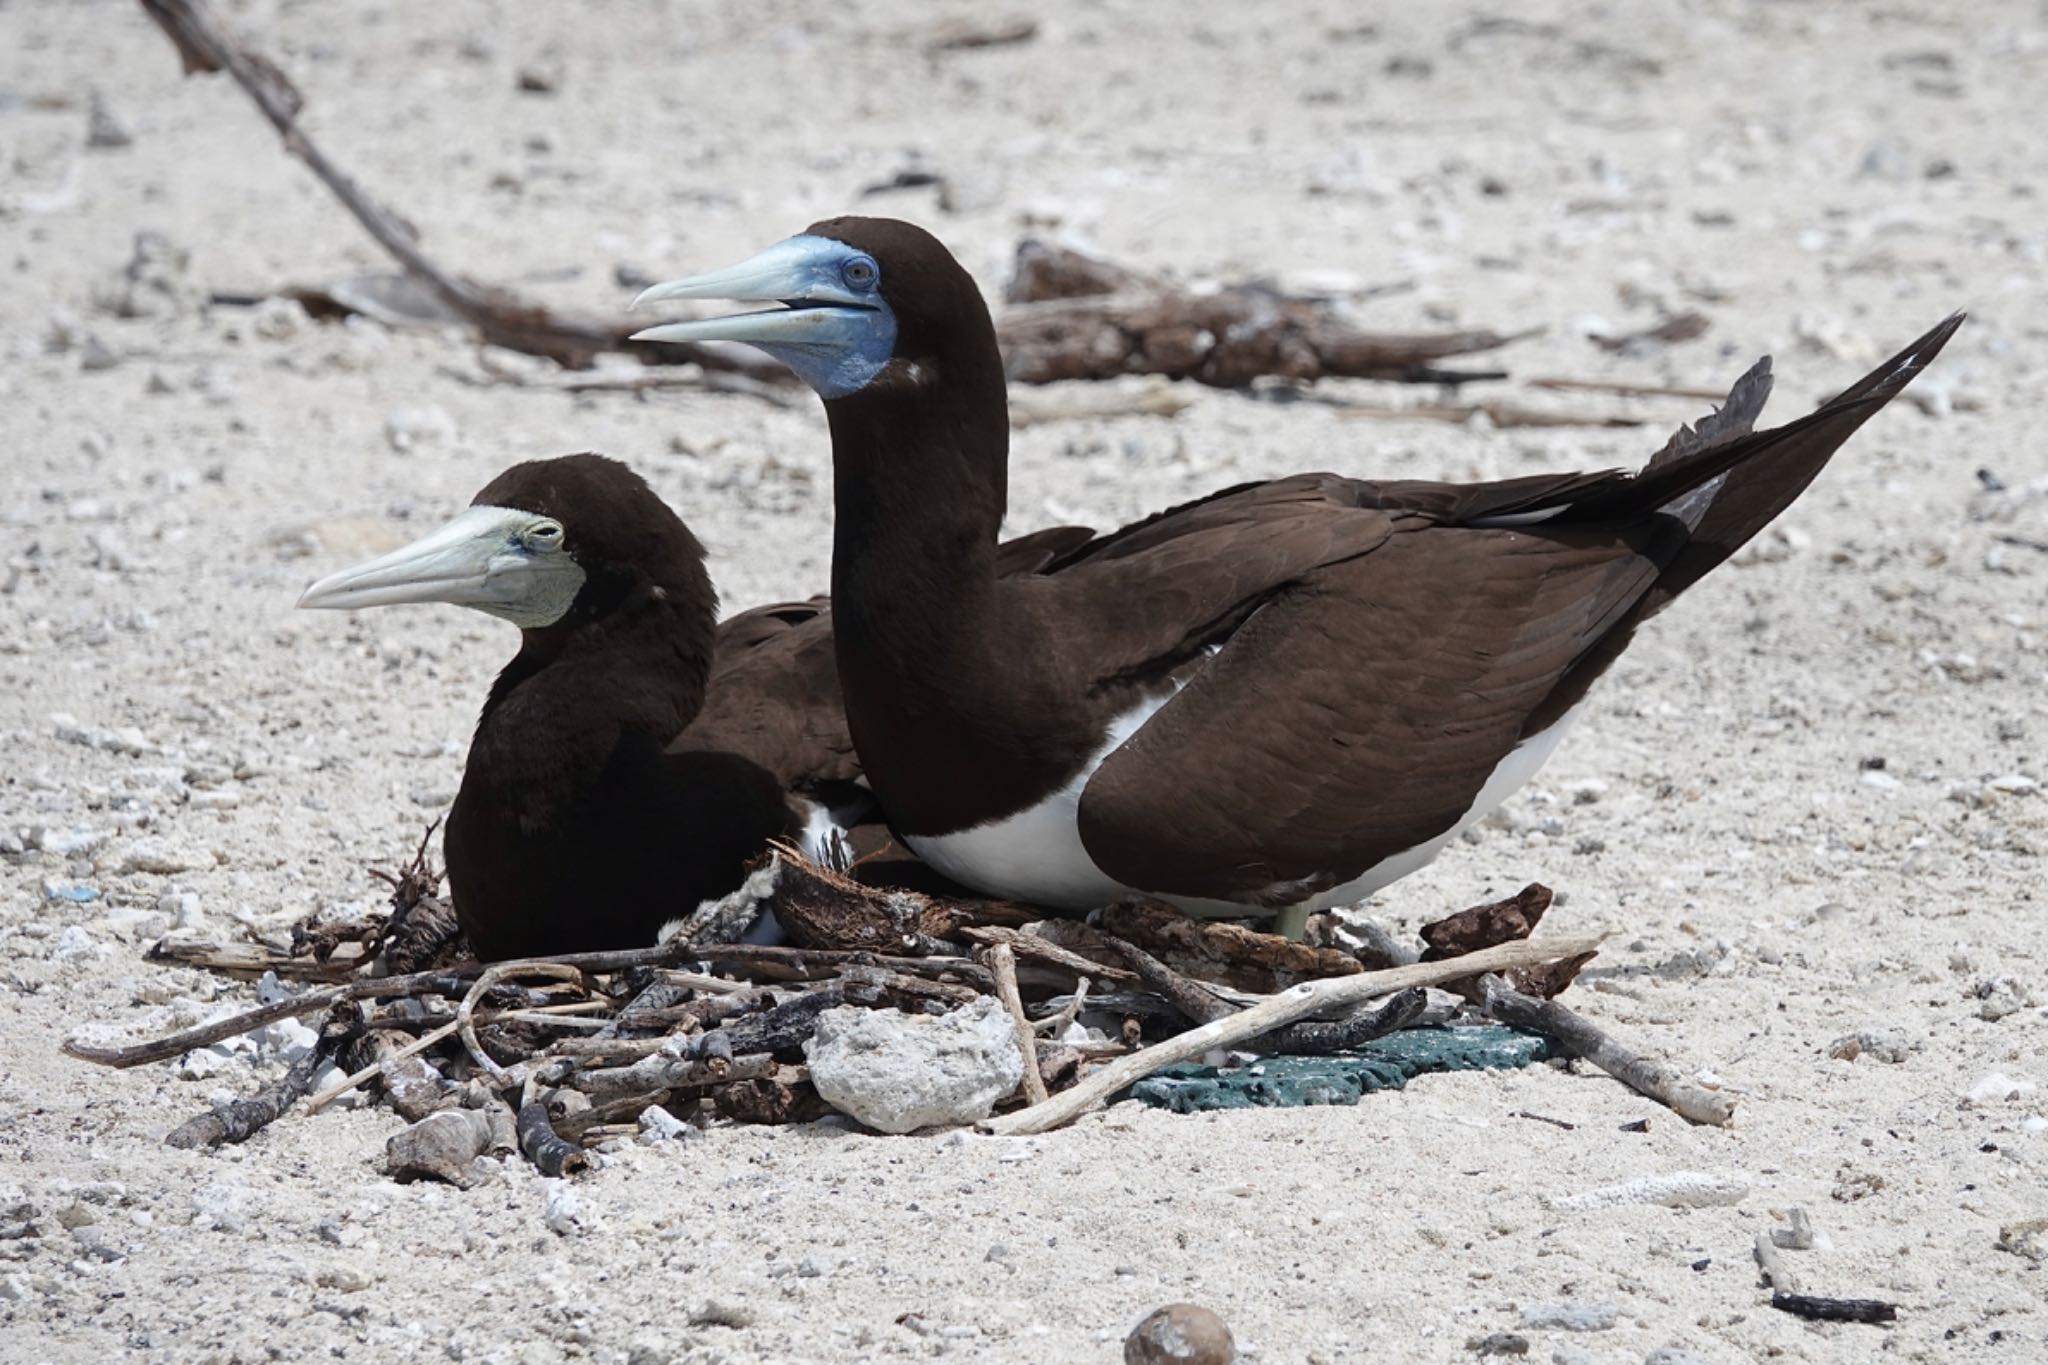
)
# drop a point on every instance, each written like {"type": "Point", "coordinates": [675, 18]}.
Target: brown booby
{"type": "Point", "coordinates": [636, 754]}
{"type": "Point", "coordinates": [1277, 698]}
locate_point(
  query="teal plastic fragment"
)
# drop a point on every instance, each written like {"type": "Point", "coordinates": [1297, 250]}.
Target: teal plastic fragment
{"type": "Point", "coordinates": [1382, 1064]}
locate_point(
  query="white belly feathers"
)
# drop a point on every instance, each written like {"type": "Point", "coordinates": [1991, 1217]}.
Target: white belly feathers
{"type": "Point", "coordinates": [1037, 856]}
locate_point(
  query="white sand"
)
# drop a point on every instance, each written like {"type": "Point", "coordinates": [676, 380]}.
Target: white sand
{"type": "Point", "coordinates": [1823, 181]}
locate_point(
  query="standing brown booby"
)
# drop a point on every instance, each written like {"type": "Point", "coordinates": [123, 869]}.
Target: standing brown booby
{"type": "Point", "coordinates": [1280, 697]}
{"type": "Point", "coordinates": [636, 754]}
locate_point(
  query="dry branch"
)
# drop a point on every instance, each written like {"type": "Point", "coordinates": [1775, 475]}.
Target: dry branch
{"type": "Point", "coordinates": [240, 1120]}
{"type": "Point", "coordinates": [1582, 1038]}
{"type": "Point", "coordinates": [1499, 412]}
{"type": "Point", "coordinates": [1002, 964]}
{"type": "Point", "coordinates": [1219, 951]}
{"type": "Point", "coordinates": [1295, 1003]}
{"type": "Point", "coordinates": [1627, 390]}
{"type": "Point", "coordinates": [1225, 339]}
{"type": "Point", "coordinates": [500, 317]}
{"type": "Point", "coordinates": [1082, 318]}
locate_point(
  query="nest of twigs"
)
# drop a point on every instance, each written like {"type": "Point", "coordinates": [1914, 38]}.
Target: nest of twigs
{"type": "Point", "coordinates": [552, 1057]}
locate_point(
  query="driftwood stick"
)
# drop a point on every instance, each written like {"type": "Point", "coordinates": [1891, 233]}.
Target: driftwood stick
{"type": "Point", "coordinates": [812, 963]}
{"type": "Point", "coordinates": [664, 1071]}
{"type": "Point", "coordinates": [1498, 411]}
{"type": "Point", "coordinates": [1290, 1005]}
{"type": "Point", "coordinates": [240, 1120]}
{"type": "Point", "coordinates": [1582, 1038]}
{"type": "Point", "coordinates": [1002, 964]}
{"type": "Point", "coordinates": [1037, 948]}
{"type": "Point", "coordinates": [292, 1007]}
{"type": "Point", "coordinates": [1625, 390]}
{"type": "Point", "coordinates": [781, 1030]}
{"type": "Point", "coordinates": [207, 45]}
{"type": "Point", "coordinates": [1818, 1309]}
{"type": "Point", "coordinates": [1310, 1038]}
{"type": "Point", "coordinates": [412, 1085]}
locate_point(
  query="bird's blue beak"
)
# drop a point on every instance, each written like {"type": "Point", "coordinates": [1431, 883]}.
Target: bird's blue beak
{"type": "Point", "coordinates": [834, 328]}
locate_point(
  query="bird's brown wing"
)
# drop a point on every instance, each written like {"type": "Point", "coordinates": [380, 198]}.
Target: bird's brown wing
{"type": "Point", "coordinates": [1365, 708]}
{"type": "Point", "coordinates": [1388, 644]}
{"type": "Point", "coordinates": [773, 696]}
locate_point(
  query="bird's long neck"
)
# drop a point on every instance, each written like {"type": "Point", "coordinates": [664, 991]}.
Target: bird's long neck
{"type": "Point", "coordinates": [558, 709]}
{"type": "Point", "coordinates": [919, 489]}
{"type": "Point", "coordinates": [936, 656]}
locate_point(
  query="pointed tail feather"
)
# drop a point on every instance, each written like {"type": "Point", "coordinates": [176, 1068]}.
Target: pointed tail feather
{"type": "Point", "coordinates": [1744, 479]}
{"type": "Point", "coordinates": [1777, 466]}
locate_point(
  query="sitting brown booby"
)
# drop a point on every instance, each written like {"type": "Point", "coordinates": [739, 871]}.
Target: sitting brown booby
{"type": "Point", "coordinates": [1277, 698]}
{"type": "Point", "coordinates": [636, 754]}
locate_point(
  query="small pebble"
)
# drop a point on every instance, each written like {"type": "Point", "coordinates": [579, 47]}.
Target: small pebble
{"type": "Point", "coordinates": [72, 944]}
{"type": "Point", "coordinates": [347, 1278]}
{"type": "Point", "coordinates": [1878, 1044]}
{"type": "Point", "coordinates": [563, 1211]}
{"type": "Point", "coordinates": [1180, 1334]}
{"type": "Point", "coordinates": [221, 1206]}
{"type": "Point", "coordinates": [659, 1125]}
{"type": "Point", "coordinates": [1997, 1088]}
{"type": "Point", "coordinates": [2028, 1238]}
{"type": "Point", "coordinates": [717, 1313]}
{"type": "Point", "coordinates": [104, 132]}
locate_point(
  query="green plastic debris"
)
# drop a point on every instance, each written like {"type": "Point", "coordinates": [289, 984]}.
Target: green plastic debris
{"type": "Point", "coordinates": [1382, 1064]}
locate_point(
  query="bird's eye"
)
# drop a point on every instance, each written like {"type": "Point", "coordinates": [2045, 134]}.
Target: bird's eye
{"type": "Point", "coordinates": [859, 272]}
{"type": "Point", "coordinates": [545, 536]}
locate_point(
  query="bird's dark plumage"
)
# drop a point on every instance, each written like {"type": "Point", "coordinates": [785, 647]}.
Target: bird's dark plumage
{"type": "Point", "coordinates": [1267, 696]}
{"type": "Point", "coordinates": [636, 754]}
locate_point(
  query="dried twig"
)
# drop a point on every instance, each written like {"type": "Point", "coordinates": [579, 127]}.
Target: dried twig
{"type": "Point", "coordinates": [1002, 964]}
{"type": "Point", "coordinates": [1499, 412]}
{"type": "Point", "coordinates": [1582, 1038]}
{"type": "Point", "coordinates": [1082, 318]}
{"type": "Point", "coordinates": [1056, 1023]}
{"type": "Point", "coordinates": [1819, 1309]}
{"type": "Point", "coordinates": [240, 1120]}
{"type": "Point", "coordinates": [1295, 1003]}
{"type": "Point", "coordinates": [1219, 952]}
{"type": "Point", "coordinates": [207, 45]}
{"type": "Point", "coordinates": [1625, 390]}
{"type": "Point", "coordinates": [540, 1144]}
{"type": "Point", "coordinates": [1226, 339]}
{"type": "Point", "coordinates": [666, 1071]}
{"type": "Point", "coordinates": [1773, 1266]}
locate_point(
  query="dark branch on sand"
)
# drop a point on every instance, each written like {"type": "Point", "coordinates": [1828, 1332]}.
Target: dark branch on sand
{"type": "Point", "coordinates": [1076, 317]}
{"type": "Point", "coordinates": [500, 317]}
{"type": "Point", "coordinates": [1579, 1036]}
{"type": "Point", "coordinates": [240, 1120]}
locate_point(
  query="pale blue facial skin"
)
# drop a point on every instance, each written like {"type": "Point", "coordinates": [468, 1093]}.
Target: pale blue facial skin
{"type": "Point", "coordinates": [837, 332]}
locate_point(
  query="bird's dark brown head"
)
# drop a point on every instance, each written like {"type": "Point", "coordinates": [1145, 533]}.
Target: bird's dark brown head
{"type": "Point", "coordinates": [550, 545]}
{"type": "Point", "coordinates": [614, 528]}
{"type": "Point", "coordinates": [867, 304]}
{"type": "Point", "coordinates": [942, 321]}
{"type": "Point", "coordinates": [880, 319]}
